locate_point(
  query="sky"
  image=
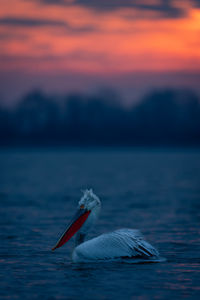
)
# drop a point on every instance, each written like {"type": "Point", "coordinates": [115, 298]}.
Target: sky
{"type": "Point", "coordinates": [80, 45]}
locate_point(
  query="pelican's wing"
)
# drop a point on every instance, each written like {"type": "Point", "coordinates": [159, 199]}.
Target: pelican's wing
{"type": "Point", "coordinates": [119, 243]}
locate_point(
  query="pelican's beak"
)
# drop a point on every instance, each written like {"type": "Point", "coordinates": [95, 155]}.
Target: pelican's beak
{"type": "Point", "coordinates": [75, 224]}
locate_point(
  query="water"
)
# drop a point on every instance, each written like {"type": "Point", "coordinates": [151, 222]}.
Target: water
{"type": "Point", "coordinates": [156, 191]}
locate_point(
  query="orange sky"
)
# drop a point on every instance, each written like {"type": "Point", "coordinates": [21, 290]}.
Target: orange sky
{"type": "Point", "coordinates": [82, 39]}
{"type": "Point", "coordinates": [37, 36]}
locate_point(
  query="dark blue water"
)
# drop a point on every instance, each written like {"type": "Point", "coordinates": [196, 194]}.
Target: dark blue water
{"type": "Point", "coordinates": [156, 191]}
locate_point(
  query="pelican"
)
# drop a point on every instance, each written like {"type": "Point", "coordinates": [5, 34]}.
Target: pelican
{"type": "Point", "coordinates": [123, 244]}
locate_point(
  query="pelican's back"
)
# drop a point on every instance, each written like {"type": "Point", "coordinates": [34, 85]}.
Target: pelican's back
{"type": "Point", "coordinates": [122, 243]}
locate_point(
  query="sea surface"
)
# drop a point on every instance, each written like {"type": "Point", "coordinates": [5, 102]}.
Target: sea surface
{"type": "Point", "coordinates": [154, 190]}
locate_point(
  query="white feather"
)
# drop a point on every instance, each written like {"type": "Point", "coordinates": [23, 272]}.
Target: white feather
{"type": "Point", "coordinates": [121, 243]}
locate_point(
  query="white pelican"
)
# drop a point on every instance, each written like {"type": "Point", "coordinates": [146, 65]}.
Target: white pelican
{"type": "Point", "coordinates": [122, 244]}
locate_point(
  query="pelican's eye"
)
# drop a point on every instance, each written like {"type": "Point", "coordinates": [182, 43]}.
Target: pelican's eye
{"type": "Point", "coordinates": [82, 206]}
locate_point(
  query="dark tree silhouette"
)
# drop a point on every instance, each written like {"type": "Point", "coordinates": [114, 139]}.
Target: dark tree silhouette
{"type": "Point", "coordinates": [162, 117]}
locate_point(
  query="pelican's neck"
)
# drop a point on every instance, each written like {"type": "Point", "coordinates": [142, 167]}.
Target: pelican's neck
{"type": "Point", "coordinates": [80, 238]}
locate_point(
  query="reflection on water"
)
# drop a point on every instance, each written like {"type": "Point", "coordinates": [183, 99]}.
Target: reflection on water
{"type": "Point", "coordinates": [155, 191]}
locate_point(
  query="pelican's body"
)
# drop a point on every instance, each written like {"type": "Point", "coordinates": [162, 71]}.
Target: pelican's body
{"type": "Point", "coordinates": [122, 244]}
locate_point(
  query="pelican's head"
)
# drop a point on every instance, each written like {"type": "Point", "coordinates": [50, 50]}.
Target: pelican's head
{"type": "Point", "coordinates": [89, 201]}
{"type": "Point", "coordinates": [88, 209]}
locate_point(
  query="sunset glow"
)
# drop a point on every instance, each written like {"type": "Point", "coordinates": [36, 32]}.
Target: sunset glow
{"type": "Point", "coordinates": [70, 36]}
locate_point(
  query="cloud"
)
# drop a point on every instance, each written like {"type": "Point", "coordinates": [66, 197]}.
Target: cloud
{"type": "Point", "coordinates": [6, 36]}
{"type": "Point", "coordinates": [57, 2]}
{"type": "Point", "coordinates": [197, 3]}
{"type": "Point", "coordinates": [28, 22]}
{"type": "Point", "coordinates": [34, 22]}
{"type": "Point", "coordinates": [163, 8]}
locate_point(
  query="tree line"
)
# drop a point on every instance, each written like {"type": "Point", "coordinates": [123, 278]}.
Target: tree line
{"type": "Point", "coordinates": [162, 117]}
